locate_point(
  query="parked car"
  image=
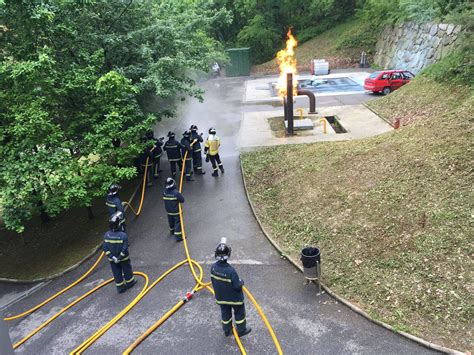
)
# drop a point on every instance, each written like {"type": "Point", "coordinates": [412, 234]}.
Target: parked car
{"type": "Point", "coordinates": [387, 81]}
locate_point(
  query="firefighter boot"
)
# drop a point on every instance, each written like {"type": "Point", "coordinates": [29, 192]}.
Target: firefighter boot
{"type": "Point", "coordinates": [215, 173]}
{"type": "Point", "coordinates": [245, 332]}
{"type": "Point", "coordinates": [131, 284]}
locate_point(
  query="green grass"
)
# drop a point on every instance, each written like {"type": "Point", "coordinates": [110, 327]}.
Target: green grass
{"type": "Point", "coordinates": [392, 214]}
{"type": "Point", "coordinates": [340, 45]}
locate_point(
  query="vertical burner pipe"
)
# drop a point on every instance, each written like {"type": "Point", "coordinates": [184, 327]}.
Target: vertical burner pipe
{"type": "Point", "coordinates": [289, 102]}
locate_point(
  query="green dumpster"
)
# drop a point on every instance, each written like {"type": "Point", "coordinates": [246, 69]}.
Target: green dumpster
{"type": "Point", "coordinates": [239, 62]}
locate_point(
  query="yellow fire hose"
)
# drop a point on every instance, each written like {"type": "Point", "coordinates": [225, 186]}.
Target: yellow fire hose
{"type": "Point", "coordinates": [31, 310]}
{"type": "Point", "coordinates": [128, 203]}
{"type": "Point", "coordinates": [199, 286]}
{"type": "Point", "coordinates": [260, 312]}
{"type": "Point", "coordinates": [88, 342]}
{"type": "Point", "coordinates": [74, 303]}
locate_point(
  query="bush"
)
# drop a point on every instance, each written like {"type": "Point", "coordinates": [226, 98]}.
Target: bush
{"type": "Point", "coordinates": [458, 68]}
{"type": "Point", "coordinates": [362, 37]}
{"type": "Point", "coordinates": [261, 37]}
{"type": "Point", "coordinates": [310, 32]}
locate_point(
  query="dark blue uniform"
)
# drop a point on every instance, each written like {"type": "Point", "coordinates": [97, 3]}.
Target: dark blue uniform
{"type": "Point", "coordinates": [148, 166]}
{"type": "Point", "coordinates": [156, 156]}
{"type": "Point", "coordinates": [197, 156]}
{"type": "Point", "coordinates": [172, 198]}
{"type": "Point", "coordinates": [186, 147]}
{"type": "Point", "coordinates": [229, 295]}
{"type": "Point", "coordinates": [116, 244]}
{"type": "Point", "coordinates": [114, 204]}
{"type": "Point", "coordinates": [173, 150]}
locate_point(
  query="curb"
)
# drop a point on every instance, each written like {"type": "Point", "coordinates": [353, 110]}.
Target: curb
{"type": "Point", "coordinates": [70, 268]}
{"type": "Point", "coordinates": [356, 309]}
{"type": "Point", "coordinates": [378, 114]}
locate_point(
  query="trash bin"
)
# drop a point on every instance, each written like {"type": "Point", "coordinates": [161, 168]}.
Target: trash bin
{"type": "Point", "coordinates": [319, 67]}
{"type": "Point", "coordinates": [311, 259]}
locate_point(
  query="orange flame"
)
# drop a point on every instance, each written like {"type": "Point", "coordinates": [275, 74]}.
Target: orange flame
{"type": "Point", "coordinates": [287, 62]}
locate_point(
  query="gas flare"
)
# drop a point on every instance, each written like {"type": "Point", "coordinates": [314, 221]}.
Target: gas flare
{"type": "Point", "coordinates": [287, 62]}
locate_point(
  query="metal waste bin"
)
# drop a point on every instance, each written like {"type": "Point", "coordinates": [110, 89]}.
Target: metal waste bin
{"type": "Point", "coordinates": [311, 260]}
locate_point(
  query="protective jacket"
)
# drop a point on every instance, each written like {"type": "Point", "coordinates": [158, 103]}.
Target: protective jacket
{"type": "Point", "coordinates": [186, 146]}
{"type": "Point", "coordinates": [172, 148]}
{"type": "Point", "coordinates": [212, 145]}
{"type": "Point", "coordinates": [144, 155]}
{"type": "Point", "coordinates": [116, 244]}
{"type": "Point", "coordinates": [114, 204]}
{"type": "Point", "coordinates": [156, 150]}
{"type": "Point", "coordinates": [172, 198]}
{"type": "Point", "coordinates": [227, 284]}
{"type": "Point", "coordinates": [197, 138]}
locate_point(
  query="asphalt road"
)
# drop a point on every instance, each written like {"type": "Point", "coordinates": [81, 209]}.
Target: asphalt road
{"type": "Point", "coordinates": [215, 207]}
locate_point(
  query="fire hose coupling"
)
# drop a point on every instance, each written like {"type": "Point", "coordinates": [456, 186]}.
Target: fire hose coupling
{"type": "Point", "coordinates": [188, 296]}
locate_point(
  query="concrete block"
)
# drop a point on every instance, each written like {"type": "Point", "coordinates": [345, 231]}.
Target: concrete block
{"type": "Point", "coordinates": [300, 125]}
{"type": "Point", "coordinates": [443, 26]}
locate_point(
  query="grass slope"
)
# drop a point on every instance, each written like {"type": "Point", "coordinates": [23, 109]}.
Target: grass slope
{"type": "Point", "coordinates": [391, 214]}
{"type": "Point", "coordinates": [340, 46]}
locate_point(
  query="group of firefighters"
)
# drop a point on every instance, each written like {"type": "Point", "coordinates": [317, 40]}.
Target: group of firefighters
{"type": "Point", "coordinates": [225, 280]}
{"type": "Point", "coordinates": [191, 143]}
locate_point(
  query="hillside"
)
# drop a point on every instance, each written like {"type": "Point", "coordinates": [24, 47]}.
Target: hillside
{"type": "Point", "coordinates": [391, 214]}
{"type": "Point", "coordinates": [340, 45]}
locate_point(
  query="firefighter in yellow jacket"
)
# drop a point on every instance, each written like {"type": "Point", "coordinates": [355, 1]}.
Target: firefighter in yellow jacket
{"type": "Point", "coordinates": [211, 149]}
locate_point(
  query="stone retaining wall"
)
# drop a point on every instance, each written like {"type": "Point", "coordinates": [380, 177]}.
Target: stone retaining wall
{"type": "Point", "coordinates": [414, 46]}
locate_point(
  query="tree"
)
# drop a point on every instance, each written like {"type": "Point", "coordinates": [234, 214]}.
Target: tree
{"type": "Point", "coordinates": [73, 75]}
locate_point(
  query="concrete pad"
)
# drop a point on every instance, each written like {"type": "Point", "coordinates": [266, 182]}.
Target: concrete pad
{"type": "Point", "coordinates": [301, 125]}
{"type": "Point", "coordinates": [258, 90]}
{"type": "Point", "coordinates": [359, 121]}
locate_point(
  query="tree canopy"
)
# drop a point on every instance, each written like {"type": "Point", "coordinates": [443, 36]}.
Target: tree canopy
{"type": "Point", "coordinates": [73, 75]}
{"type": "Point", "coordinates": [263, 24]}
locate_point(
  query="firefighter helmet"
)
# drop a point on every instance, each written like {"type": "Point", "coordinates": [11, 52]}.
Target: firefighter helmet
{"type": "Point", "coordinates": [194, 128]}
{"type": "Point", "coordinates": [223, 251]}
{"type": "Point", "coordinates": [212, 130]}
{"type": "Point", "coordinates": [113, 189]}
{"type": "Point", "coordinates": [186, 133]}
{"type": "Point", "coordinates": [149, 134]}
{"type": "Point", "coordinates": [170, 183]}
{"type": "Point", "coordinates": [114, 221]}
{"type": "Point", "coordinates": [170, 134]}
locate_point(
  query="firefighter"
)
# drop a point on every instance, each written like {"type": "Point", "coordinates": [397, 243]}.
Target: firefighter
{"type": "Point", "coordinates": [155, 153]}
{"type": "Point", "coordinates": [146, 163]}
{"type": "Point", "coordinates": [186, 147]}
{"type": "Point", "coordinates": [116, 248]}
{"type": "Point", "coordinates": [211, 149]}
{"type": "Point", "coordinates": [113, 203]}
{"type": "Point", "coordinates": [197, 157]}
{"type": "Point", "coordinates": [173, 198]}
{"type": "Point", "coordinates": [172, 148]}
{"type": "Point", "coordinates": [228, 291]}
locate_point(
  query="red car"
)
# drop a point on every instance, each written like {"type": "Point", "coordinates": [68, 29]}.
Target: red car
{"type": "Point", "coordinates": [387, 81]}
